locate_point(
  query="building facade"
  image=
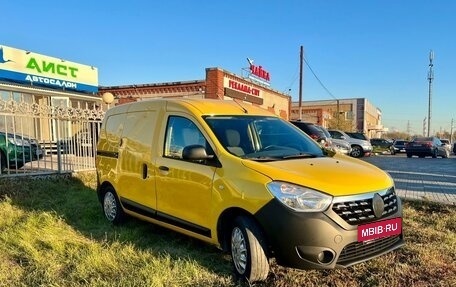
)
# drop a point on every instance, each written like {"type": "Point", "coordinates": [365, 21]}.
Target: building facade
{"type": "Point", "coordinates": [218, 84]}
{"type": "Point", "coordinates": [363, 115]}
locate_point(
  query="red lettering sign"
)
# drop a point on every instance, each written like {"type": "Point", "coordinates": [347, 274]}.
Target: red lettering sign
{"type": "Point", "coordinates": [259, 72]}
{"type": "Point", "coordinates": [243, 88]}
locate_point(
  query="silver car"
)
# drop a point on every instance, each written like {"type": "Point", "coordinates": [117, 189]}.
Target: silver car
{"type": "Point", "coordinates": [338, 145]}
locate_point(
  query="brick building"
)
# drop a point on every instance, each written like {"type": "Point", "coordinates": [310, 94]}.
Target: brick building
{"type": "Point", "coordinates": [365, 117]}
{"type": "Point", "coordinates": [218, 84]}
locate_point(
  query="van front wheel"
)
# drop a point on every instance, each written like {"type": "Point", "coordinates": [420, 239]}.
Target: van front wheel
{"type": "Point", "coordinates": [248, 250]}
{"type": "Point", "coordinates": [111, 206]}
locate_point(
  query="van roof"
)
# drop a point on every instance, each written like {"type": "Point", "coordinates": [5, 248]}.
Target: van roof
{"type": "Point", "coordinates": [198, 106]}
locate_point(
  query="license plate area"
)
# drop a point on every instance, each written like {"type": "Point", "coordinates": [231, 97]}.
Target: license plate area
{"type": "Point", "coordinates": [378, 229]}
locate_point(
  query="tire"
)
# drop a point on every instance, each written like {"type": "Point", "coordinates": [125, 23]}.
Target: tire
{"type": "Point", "coordinates": [357, 151]}
{"type": "Point", "coordinates": [409, 155]}
{"type": "Point", "coordinates": [248, 251]}
{"type": "Point", "coordinates": [2, 162]}
{"type": "Point", "coordinates": [111, 206]}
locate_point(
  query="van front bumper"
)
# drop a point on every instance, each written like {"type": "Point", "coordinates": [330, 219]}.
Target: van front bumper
{"type": "Point", "coordinates": [319, 240]}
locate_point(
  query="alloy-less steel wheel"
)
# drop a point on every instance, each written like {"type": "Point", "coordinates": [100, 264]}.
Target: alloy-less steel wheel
{"type": "Point", "coordinates": [248, 250]}
{"type": "Point", "coordinates": [111, 206]}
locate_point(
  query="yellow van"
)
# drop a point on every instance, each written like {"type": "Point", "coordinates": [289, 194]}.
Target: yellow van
{"type": "Point", "coordinates": [243, 179]}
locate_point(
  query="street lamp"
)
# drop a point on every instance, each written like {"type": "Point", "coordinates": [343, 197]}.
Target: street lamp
{"type": "Point", "coordinates": [107, 98]}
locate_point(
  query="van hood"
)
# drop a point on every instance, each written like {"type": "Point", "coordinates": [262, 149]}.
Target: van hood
{"type": "Point", "coordinates": [338, 176]}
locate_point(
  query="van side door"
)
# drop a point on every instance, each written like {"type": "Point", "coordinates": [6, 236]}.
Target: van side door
{"type": "Point", "coordinates": [136, 180]}
{"type": "Point", "coordinates": [184, 188]}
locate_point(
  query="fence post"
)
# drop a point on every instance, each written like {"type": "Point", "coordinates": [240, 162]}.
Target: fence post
{"type": "Point", "coordinates": [59, 150]}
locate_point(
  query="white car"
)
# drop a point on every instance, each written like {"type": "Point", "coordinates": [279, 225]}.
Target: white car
{"type": "Point", "coordinates": [359, 147]}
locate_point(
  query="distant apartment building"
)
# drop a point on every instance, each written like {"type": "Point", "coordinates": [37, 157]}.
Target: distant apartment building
{"type": "Point", "coordinates": [366, 117]}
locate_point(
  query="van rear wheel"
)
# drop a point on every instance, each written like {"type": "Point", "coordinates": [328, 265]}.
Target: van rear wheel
{"type": "Point", "coordinates": [111, 206]}
{"type": "Point", "coordinates": [248, 250]}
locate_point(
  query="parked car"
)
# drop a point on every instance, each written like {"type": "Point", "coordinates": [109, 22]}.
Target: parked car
{"type": "Point", "coordinates": [82, 144]}
{"type": "Point", "coordinates": [447, 144]}
{"type": "Point", "coordinates": [399, 145]}
{"type": "Point", "coordinates": [382, 145]}
{"type": "Point", "coordinates": [359, 147]}
{"type": "Point", "coordinates": [16, 150]}
{"type": "Point", "coordinates": [357, 135]}
{"type": "Point", "coordinates": [246, 181]}
{"type": "Point", "coordinates": [426, 146]}
{"type": "Point", "coordinates": [338, 145]}
{"type": "Point", "coordinates": [314, 132]}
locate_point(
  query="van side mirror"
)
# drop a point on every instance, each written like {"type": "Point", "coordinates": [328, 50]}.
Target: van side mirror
{"type": "Point", "coordinates": [195, 153]}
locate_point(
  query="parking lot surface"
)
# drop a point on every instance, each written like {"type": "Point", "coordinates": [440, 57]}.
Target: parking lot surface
{"type": "Point", "coordinates": [432, 179]}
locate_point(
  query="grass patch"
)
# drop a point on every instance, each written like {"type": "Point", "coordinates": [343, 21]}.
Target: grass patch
{"type": "Point", "coordinates": [53, 233]}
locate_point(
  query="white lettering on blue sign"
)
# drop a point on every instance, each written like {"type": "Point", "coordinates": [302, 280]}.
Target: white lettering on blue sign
{"type": "Point", "coordinates": [49, 81]}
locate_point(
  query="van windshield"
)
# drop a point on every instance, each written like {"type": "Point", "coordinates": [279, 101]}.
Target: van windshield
{"type": "Point", "coordinates": [262, 138]}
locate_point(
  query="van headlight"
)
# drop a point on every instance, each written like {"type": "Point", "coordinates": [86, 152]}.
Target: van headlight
{"type": "Point", "coordinates": [299, 198]}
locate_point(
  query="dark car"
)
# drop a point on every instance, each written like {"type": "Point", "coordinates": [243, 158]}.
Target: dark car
{"type": "Point", "coordinates": [426, 146]}
{"type": "Point", "coordinates": [16, 150]}
{"type": "Point", "coordinates": [399, 146]}
{"type": "Point", "coordinates": [313, 131]}
{"type": "Point", "coordinates": [382, 145]}
{"type": "Point", "coordinates": [80, 144]}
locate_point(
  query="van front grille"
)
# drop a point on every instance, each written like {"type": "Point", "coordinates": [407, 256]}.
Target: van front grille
{"type": "Point", "coordinates": [361, 250]}
{"type": "Point", "coordinates": [361, 211]}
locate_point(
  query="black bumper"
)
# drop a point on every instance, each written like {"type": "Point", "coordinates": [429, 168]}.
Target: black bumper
{"type": "Point", "coordinates": [319, 240]}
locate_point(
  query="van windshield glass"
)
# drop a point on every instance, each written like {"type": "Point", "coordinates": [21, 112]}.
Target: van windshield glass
{"type": "Point", "coordinates": [262, 138]}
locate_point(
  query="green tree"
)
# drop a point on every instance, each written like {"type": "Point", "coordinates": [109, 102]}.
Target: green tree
{"type": "Point", "coordinates": [340, 122]}
{"type": "Point", "coordinates": [397, 135]}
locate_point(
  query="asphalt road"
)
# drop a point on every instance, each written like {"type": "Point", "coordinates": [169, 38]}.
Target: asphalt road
{"type": "Point", "coordinates": [432, 179]}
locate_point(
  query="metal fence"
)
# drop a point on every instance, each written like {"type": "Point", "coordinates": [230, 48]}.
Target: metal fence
{"type": "Point", "coordinates": [37, 139]}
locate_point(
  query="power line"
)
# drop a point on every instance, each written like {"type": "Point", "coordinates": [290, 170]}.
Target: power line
{"type": "Point", "coordinates": [318, 79]}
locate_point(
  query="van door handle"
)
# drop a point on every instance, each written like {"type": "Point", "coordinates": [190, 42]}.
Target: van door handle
{"type": "Point", "coordinates": [144, 171]}
{"type": "Point", "coordinates": [163, 168]}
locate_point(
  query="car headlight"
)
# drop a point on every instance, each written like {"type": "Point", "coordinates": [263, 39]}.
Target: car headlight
{"type": "Point", "coordinates": [19, 142]}
{"type": "Point", "coordinates": [299, 198]}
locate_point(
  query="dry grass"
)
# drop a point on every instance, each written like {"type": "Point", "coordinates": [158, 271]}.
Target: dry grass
{"type": "Point", "coordinates": [52, 233]}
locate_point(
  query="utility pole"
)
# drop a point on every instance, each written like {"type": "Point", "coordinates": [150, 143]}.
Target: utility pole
{"type": "Point", "coordinates": [451, 132]}
{"type": "Point", "coordinates": [408, 127]}
{"type": "Point", "coordinates": [301, 59]}
{"type": "Point", "coordinates": [430, 78]}
{"type": "Point", "coordinates": [424, 126]}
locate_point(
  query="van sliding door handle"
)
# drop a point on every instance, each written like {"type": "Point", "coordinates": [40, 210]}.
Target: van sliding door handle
{"type": "Point", "coordinates": [163, 168]}
{"type": "Point", "coordinates": [144, 171]}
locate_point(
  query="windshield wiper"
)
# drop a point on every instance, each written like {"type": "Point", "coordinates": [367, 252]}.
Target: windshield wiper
{"type": "Point", "coordinates": [300, 155]}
